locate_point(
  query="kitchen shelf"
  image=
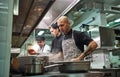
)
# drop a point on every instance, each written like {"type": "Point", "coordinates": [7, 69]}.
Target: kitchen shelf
{"type": "Point", "coordinates": [117, 37]}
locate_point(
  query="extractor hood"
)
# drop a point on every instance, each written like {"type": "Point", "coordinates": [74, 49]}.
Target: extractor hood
{"type": "Point", "coordinates": [30, 14]}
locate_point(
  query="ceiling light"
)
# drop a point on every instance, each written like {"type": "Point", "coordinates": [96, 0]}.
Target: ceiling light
{"type": "Point", "coordinates": [16, 7]}
{"type": "Point", "coordinates": [40, 33]}
{"type": "Point", "coordinates": [1, 3]}
{"type": "Point", "coordinates": [15, 50]}
{"type": "Point", "coordinates": [108, 25]}
{"type": "Point", "coordinates": [117, 20]}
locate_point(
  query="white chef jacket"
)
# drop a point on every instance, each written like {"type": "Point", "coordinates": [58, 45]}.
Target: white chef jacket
{"type": "Point", "coordinates": [45, 50]}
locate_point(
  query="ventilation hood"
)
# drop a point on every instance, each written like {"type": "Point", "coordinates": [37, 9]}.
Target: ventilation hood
{"type": "Point", "coordinates": [30, 13]}
{"type": "Point", "coordinates": [60, 7]}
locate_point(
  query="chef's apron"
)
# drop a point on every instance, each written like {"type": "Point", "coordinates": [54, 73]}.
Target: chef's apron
{"type": "Point", "coordinates": [70, 50]}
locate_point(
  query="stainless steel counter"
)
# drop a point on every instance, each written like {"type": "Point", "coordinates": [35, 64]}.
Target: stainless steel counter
{"type": "Point", "coordinates": [106, 69]}
{"type": "Point", "coordinates": [92, 73]}
{"type": "Point", "coordinates": [58, 74]}
{"type": "Point", "coordinates": [108, 72]}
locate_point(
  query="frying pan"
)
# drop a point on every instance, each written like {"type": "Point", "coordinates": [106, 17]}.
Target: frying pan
{"type": "Point", "coordinates": [71, 67]}
{"type": "Point", "coordinates": [74, 67]}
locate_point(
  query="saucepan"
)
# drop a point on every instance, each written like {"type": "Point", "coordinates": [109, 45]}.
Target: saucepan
{"type": "Point", "coordinates": [37, 65]}
{"type": "Point", "coordinates": [33, 69]}
{"type": "Point", "coordinates": [32, 64]}
{"type": "Point", "coordinates": [37, 69]}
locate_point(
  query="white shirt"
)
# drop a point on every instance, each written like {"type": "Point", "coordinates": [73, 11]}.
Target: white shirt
{"type": "Point", "coordinates": [44, 51]}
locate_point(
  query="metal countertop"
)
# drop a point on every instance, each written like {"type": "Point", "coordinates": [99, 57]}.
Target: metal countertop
{"type": "Point", "coordinates": [58, 74]}
{"type": "Point", "coordinates": [106, 69]}
{"type": "Point", "coordinates": [86, 74]}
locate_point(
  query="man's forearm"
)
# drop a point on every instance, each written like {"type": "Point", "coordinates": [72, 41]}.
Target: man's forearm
{"type": "Point", "coordinates": [91, 47]}
{"type": "Point", "coordinates": [57, 55]}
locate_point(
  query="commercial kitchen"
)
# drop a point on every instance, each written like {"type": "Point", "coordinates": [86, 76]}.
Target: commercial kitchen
{"type": "Point", "coordinates": [22, 20]}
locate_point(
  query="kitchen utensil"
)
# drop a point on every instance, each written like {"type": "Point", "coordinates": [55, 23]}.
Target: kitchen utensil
{"type": "Point", "coordinates": [33, 69]}
{"type": "Point", "coordinates": [70, 67]}
{"type": "Point", "coordinates": [31, 63]}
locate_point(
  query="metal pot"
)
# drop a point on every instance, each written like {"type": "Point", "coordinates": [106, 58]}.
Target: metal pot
{"type": "Point", "coordinates": [30, 65]}
{"type": "Point", "coordinates": [34, 69]}
{"type": "Point", "coordinates": [41, 60]}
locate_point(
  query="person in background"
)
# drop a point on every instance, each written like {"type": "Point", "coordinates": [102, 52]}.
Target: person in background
{"type": "Point", "coordinates": [39, 47]}
{"type": "Point", "coordinates": [43, 48]}
{"type": "Point", "coordinates": [56, 47]}
{"type": "Point", "coordinates": [74, 41]}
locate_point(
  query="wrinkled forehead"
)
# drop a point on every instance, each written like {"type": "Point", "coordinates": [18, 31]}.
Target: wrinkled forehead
{"type": "Point", "coordinates": [62, 20]}
{"type": "Point", "coordinates": [61, 23]}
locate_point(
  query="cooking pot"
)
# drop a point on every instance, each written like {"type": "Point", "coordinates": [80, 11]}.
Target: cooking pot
{"type": "Point", "coordinates": [41, 60]}
{"type": "Point", "coordinates": [37, 66]}
{"type": "Point", "coordinates": [33, 69]}
{"type": "Point", "coordinates": [28, 62]}
{"type": "Point", "coordinates": [37, 69]}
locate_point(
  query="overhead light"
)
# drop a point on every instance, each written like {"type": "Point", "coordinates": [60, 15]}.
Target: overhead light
{"type": "Point", "coordinates": [108, 25]}
{"type": "Point", "coordinates": [40, 33]}
{"type": "Point", "coordinates": [1, 3]}
{"type": "Point", "coordinates": [16, 7]}
{"type": "Point", "coordinates": [15, 50]}
{"type": "Point", "coordinates": [117, 20]}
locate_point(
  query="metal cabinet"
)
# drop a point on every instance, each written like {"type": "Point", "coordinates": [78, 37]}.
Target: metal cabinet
{"type": "Point", "coordinates": [6, 10]}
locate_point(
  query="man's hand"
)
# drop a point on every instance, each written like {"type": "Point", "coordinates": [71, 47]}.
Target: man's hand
{"type": "Point", "coordinates": [81, 57]}
{"type": "Point", "coordinates": [75, 60]}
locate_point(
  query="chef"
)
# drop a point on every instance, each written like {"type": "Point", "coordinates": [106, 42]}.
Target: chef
{"type": "Point", "coordinates": [56, 47]}
{"type": "Point", "coordinates": [43, 48]}
{"type": "Point", "coordinates": [74, 41]}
